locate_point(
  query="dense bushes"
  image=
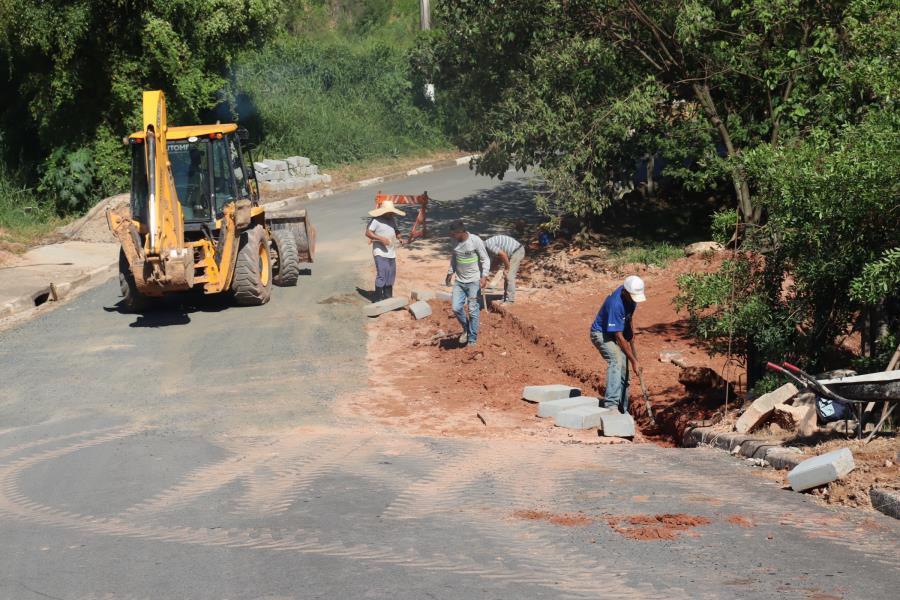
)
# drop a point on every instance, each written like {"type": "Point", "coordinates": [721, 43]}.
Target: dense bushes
{"type": "Point", "coordinates": [827, 252]}
{"type": "Point", "coordinates": [334, 98]}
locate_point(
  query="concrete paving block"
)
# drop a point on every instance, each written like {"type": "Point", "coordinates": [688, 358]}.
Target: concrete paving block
{"type": "Point", "coordinates": [276, 165]}
{"type": "Point", "coordinates": [581, 417]}
{"type": "Point", "coordinates": [615, 424]}
{"type": "Point", "coordinates": [383, 306]}
{"type": "Point", "coordinates": [538, 393]}
{"type": "Point", "coordinates": [763, 407]}
{"type": "Point", "coordinates": [821, 469]}
{"type": "Point", "coordinates": [420, 309]}
{"type": "Point", "coordinates": [443, 296]}
{"type": "Point", "coordinates": [886, 501]}
{"type": "Point", "coordinates": [551, 408]}
{"type": "Point", "coordinates": [370, 182]}
{"type": "Point", "coordinates": [802, 419]}
{"type": "Point", "coordinates": [422, 295]}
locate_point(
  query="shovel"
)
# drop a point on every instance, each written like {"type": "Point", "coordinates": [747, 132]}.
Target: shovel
{"type": "Point", "coordinates": [644, 388]}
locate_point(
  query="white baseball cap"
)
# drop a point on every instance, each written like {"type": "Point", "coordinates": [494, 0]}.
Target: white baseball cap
{"type": "Point", "coordinates": [634, 285]}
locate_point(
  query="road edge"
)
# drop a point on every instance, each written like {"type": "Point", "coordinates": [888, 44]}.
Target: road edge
{"type": "Point", "coordinates": [56, 292]}
{"type": "Point", "coordinates": [373, 181]}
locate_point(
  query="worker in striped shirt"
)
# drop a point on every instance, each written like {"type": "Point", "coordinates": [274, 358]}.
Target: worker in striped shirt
{"type": "Point", "coordinates": [471, 264]}
{"type": "Point", "coordinates": [508, 252]}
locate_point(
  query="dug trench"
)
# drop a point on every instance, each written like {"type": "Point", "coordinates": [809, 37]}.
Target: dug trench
{"type": "Point", "coordinates": [423, 382]}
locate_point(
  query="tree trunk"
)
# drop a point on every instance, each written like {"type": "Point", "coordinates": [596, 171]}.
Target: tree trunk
{"type": "Point", "coordinates": [750, 214]}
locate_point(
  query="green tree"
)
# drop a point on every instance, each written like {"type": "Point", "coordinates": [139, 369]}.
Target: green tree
{"type": "Point", "coordinates": [584, 87]}
{"type": "Point", "coordinates": [827, 253]}
{"type": "Point", "coordinates": [72, 73]}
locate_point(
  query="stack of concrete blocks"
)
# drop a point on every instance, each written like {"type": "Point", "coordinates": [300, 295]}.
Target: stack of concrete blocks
{"type": "Point", "coordinates": [763, 407]}
{"type": "Point", "coordinates": [291, 174]}
{"type": "Point", "coordinates": [569, 409]}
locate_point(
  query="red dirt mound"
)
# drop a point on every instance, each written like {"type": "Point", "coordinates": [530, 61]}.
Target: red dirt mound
{"type": "Point", "coordinates": [564, 519]}
{"type": "Point", "coordinates": [654, 527]}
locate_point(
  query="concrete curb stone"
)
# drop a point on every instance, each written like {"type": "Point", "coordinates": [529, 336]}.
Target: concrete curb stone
{"type": "Point", "coordinates": [821, 469]}
{"type": "Point", "coordinates": [420, 310]}
{"type": "Point", "coordinates": [885, 501]}
{"type": "Point", "coordinates": [551, 408]}
{"type": "Point", "coordinates": [747, 446]}
{"type": "Point", "coordinates": [581, 417]}
{"type": "Point", "coordinates": [383, 306]}
{"type": "Point", "coordinates": [64, 289]}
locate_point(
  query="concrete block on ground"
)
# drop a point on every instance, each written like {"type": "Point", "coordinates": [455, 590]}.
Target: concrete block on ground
{"type": "Point", "coordinates": [555, 391]}
{"type": "Point", "coordinates": [261, 167]}
{"type": "Point", "coordinates": [763, 407]}
{"type": "Point", "coordinates": [425, 169]}
{"type": "Point", "coordinates": [672, 356]}
{"type": "Point", "coordinates": [551, 408]}
{"type": "Point", "coordinates": [369, 182]}
{"type": "Point", "coordinates": [383, 306]}
{"type": "Point", "coordinates": [703, 248]}
{"type": "Point", "coordinates": [886, 501]}
{"type": "Point", "coordinates": [320, 194]}
{"type": "Point", "coordinates": [422, 295]}
{"type": "Point", "coordinates": [615, 424]}
{"type": "Point", "coordinates": [581, 417]}
{"type": "Point", "coordinates": [801, 419]}
{"type": "Point", "coordinates": [276, 165]}
{"type": "Point", "coordinates": [821, 469]}
{"type": "Point", "coordinates": [420, 310]}
{"type": "Point", "coordinates": [443, 296]}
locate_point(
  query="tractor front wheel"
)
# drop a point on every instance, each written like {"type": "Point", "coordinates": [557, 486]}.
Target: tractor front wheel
{"type": "Point", "coordinates": [252, 282]}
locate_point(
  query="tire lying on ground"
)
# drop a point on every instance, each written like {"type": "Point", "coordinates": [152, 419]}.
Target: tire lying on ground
{"type": "Point", "coordinates": [132, 299]}
{"type": "Point", "coordinates": [252, 282]}
{"type": "Point", "coordinates": [285, 258]}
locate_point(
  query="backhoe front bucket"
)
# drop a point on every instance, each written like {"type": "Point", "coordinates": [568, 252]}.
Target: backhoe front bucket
{"type": "Point", "coordinates": [297, 221]}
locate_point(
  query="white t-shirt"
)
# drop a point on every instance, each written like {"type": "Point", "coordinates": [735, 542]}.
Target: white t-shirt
{"type": "Point", "coordinates": [385, 227]}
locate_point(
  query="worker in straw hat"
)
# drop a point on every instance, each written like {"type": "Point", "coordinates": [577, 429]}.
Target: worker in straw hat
{"type": "Point", "coordinates": [613, 336]}
{"type": "Point", "coordinates": [385, 237]}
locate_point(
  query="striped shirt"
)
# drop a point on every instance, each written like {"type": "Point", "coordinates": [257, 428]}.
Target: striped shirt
{"type": "Point", "coordinates": [503, 243]}
{"type": "Point", "coordinates": [465, 260]}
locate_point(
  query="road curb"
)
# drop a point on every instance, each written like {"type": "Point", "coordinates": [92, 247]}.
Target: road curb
{"type": "Point", "coordinates": [777, 455]}
{"type": "Point", "coordinates": [373, 181]}
{"type": "Point", "coordinates": [63, 289]}
{"type": "Point", "coordinates": [885, 501]}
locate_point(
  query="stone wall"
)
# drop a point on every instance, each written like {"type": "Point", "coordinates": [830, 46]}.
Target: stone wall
{"type": "Point", "coordinates": [289, 174]}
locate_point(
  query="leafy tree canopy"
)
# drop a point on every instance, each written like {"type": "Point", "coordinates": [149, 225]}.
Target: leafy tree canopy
{"type": "Point", "coordinates": [72, 73]}
{"type": "Point", "coordinates": [584, 87]}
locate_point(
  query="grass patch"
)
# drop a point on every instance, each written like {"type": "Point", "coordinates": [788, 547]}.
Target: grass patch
{"type": "Point", "coordinates": [654, 255]}
{"type": "Point", "coordinates": [336, 99]}
{"type": "Point", "coordinates": [24, 220]}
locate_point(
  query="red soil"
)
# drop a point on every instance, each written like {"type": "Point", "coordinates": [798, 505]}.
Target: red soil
{"type": "Point", "coordinates": [655, 527]}
{"type": "Point", "coordinates": [564, 519]}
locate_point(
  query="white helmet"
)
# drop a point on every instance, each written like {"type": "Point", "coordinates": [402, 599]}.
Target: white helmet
{"type": "Point", "coordinates": [634, 285]}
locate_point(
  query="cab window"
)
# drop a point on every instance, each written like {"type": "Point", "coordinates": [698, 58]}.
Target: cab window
{"type": "Point", "coordinates": [190, 170]}
{"type": "Point", "coordinates": [237, 166]}
{"type": "Point", "coordinates": [223, 176]}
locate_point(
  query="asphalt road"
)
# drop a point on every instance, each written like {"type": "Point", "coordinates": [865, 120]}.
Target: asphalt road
{"type": "Point", "coordinates": [193, 453]}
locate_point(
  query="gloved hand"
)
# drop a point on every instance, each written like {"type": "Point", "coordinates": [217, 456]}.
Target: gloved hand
{"type": "Point", "coordinates": [448, 279]}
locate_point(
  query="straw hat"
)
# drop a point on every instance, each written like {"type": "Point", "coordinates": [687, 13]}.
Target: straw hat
{"type": "Point", "coordinates": [386, 207]}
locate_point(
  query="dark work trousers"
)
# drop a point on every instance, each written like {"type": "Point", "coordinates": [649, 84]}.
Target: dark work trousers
{"type": "Point", "coordinates": [385, 271]}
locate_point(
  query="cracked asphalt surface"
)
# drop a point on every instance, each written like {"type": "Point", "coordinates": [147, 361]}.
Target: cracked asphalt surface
{"type": "Point", "coordinates": [193, 453]}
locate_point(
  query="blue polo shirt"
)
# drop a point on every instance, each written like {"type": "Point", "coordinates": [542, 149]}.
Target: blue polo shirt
{"type": "Point", "coordinates": [615, 314]}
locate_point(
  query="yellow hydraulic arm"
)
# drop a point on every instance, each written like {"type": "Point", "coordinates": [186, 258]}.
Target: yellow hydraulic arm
{"type": "Point", "coordinates": [161, 263]}
{"type": "Point", "coordinates": [166, 221]}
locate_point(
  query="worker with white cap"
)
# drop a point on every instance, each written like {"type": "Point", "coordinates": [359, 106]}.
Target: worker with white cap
{"type": "Point", "coordinates": [385, 237]}
{"type": "Point", "coordinates": [613, 336]}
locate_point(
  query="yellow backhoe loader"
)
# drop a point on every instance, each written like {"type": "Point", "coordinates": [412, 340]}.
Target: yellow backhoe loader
{"type": "Point", "coordinates": [195, 218]}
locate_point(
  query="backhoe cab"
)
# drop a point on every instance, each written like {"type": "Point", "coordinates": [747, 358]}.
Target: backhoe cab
{"type": "Point", "coordinates": [195, 218]}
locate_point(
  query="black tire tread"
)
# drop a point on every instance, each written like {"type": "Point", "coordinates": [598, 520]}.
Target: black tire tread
{"type": "Point", "coordinates": [285, 244]}
{"type": "Point", "coordinates": [246, 286]}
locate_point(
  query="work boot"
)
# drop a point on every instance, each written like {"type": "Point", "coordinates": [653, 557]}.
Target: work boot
{"type": "Point", "coordinates": [463, 338]}
{"type": "Point", "coordinates": [388, 291]}
{"type": "Point", "coordinates": [379, 294]}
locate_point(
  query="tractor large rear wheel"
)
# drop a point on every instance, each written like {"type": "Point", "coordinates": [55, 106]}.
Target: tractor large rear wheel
{"type": "Point", "coordinates": [285, 258]}
{"type": "Point", "coordinates": [132, 299]}
{"type": "Point", "coordinates": [252, 282]}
